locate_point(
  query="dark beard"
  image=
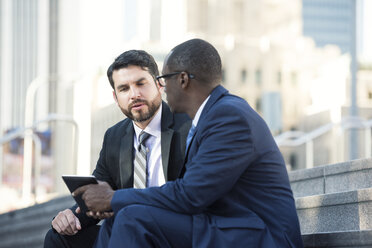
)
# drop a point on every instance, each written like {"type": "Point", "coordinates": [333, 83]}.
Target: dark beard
{"type": "Point", "coordinates": [143, 116]}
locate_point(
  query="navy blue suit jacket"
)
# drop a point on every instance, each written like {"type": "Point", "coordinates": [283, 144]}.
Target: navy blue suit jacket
{"type": "Point", "coordinates": [235, 184]}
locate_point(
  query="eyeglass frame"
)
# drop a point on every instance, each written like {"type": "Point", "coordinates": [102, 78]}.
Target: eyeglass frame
{"type": "Point", "coordinates": [172, 74]}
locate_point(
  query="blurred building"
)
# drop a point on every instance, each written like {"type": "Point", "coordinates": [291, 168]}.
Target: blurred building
{"type": "Point", "coordinates": [281, 73]}
{"type": "Point", "coordinates": [329, 22]}
{"type": "Point", "coordinates": [267, 60]}
{"type": "Point", "coordinates": [31, 61]}
{"type": "Point", "coordinates": [22, 60]}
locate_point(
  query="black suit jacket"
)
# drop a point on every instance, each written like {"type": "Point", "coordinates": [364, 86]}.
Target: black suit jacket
{"type": "Point", "coordinates": [115, 163]}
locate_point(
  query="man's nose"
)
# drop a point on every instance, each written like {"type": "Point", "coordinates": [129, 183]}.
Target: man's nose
{"type": "Point", "coordinates": [134, 92]}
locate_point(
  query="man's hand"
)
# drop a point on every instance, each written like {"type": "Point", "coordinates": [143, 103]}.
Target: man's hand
{"type": "Point", "coordinates": [97, 197]}
{"type": "Point", "coordinates": [100, 215]}
{"type": "Point", "coordinates": [96, 215]}
{"type": "Point", "coordinates": [66, 223]}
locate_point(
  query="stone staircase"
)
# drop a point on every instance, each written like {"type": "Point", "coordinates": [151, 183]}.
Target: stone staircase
{"type": "Point", "coordinates": [27, 227]}
{"type": "Point", "coordinates": [334, 205]}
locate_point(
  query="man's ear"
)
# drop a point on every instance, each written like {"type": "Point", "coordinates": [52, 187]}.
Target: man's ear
{"type": "Point", "coordinates": [158, 85]}
{"type": "Point", "coordinates": [185, 80]}
{"type": "Point", "coordinates": [114, 96]}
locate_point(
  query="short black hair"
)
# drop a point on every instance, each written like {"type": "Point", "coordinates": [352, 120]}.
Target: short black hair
{"type": "Point", "coordinates": [133, 57]}
{"type": "Point", "coordinates": [197, 57]}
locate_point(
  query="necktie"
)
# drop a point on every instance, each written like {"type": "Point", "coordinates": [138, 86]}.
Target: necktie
{"type": "Point", "coordinates": [190, 135]}
{"type": "Point", "coordinates": [140, 163]}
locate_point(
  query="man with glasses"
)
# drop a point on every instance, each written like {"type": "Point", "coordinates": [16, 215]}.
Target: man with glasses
{"type": "Point", "coordinates": [144, 150]}
{"type": "Point", "coordinates": [234, 191]}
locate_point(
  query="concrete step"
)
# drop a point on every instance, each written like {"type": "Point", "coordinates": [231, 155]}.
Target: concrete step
{"type": "Point", "coordinates": [337, 212]}
{"type": "Point", "coordinates": [339, 239]}
{"type": "Point", "coordinates": [29, 241]}
{"type": "Point", "coordinates": [351, 175]}
{"type": "Point", "coordinates": [37, 210]}
{"type": "Point", "coordinates": [27, 227]}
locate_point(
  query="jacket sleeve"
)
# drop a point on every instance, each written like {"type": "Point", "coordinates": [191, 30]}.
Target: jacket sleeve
{"type": "Point", "coordinates": [221, 151]}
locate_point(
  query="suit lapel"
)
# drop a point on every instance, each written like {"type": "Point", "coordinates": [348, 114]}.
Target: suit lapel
{"type": "Point", "coordinates": [185, 161]}
{"type": "Point", "coordinates": [166, 137]}
{"type": "Point", "coordinates": [126, 157]}
{"type": "Point", "coordinates": [215, 95]}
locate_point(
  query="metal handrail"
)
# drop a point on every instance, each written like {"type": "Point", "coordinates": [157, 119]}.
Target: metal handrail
{"type": "Point", "coordinates": [32, 89]}
{"type": "Point", "coordinates": [38, 151]}
{"type": "Point", "coordinates": [26, 192]}
{"type": "Point", "coordinates": [297, 138]}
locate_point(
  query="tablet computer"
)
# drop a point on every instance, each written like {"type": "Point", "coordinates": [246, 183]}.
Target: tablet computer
{"type": "Point", "coordinates": [73, 182]}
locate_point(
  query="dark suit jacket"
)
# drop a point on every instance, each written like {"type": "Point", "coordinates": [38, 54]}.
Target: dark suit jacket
{"type": "Point", "coordinates": [235, 186]}
{"type": "Point", "coordinates": [115, 163]}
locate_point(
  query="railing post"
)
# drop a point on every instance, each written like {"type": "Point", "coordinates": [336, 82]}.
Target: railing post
{"type": "Point", "coordinates": [27, 170]}
{"type": "Point", "coordinates": [38, 155]}
{"type": "Point", "coordinates": [367, 142]}
{"type": "Point", "coordinates": [1, 165]}
{"type": "Point", "coordinates": [342, 144]}
{"type": "Point", "coordinates": [27, 147]}
{"type": "Point", "coordinates": [309, 154]}
{"type": "Point", "coordinates": [27, 166]}
{"type": "Point", "coordinates": [353, 147]}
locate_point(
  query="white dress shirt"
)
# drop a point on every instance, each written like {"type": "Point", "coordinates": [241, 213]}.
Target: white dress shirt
{"type": "Point", "coordinates": [198, 113]}
{"type": "Point", "coordinates": [153, 143]}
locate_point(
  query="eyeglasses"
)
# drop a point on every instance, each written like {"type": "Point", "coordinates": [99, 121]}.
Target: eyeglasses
{"type": "Point", "coordinates": [161, 78]}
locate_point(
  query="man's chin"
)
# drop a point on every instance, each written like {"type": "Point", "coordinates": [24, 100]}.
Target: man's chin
{"type": "Point", "coordinates": [141, 117]}
{"type": "Point", "coordinates": [138, 113]}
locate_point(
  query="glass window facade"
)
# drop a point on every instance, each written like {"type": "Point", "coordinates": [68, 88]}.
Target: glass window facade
{"type": "Point", "coordinates": [328, 22]}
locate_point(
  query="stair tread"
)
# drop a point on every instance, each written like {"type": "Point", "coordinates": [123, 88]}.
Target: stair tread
{"type": "Point", "coordinates": [338, 239]}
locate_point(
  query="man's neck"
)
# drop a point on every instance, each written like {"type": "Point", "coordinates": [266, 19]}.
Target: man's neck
{"type": "Point", "coordinates": [142, 124]}
{"type": "Point", "coordinates": [197, 100]}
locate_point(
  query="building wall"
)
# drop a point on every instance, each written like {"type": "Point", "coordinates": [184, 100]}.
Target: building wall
{"type": "Point", "coordinates": [24, 54]}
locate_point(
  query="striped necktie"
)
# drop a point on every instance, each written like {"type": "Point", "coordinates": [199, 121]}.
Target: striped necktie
{"type": "Point", "coordinates": [140, 163]}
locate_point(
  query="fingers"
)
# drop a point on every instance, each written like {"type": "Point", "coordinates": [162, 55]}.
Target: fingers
{"type": "Point", "coordinates": [108, 215]}
{"type": "Point", "coordinates": [103, 183]}
{"type": "Point", "coordinates": [78, 210]}
{"type": "Point", "coordinates": [80, 190]}
{"type": "Point", "coordinates": [97, 197]}
{"type": "Point", "coordinates": [77, 223]}
{"type": "Point", "coordinates": [72, 223]}
{"type": "Point", "coordinates": [95, 215]}
{"type": "Point", "coordinates": [55, 225]}
{"type": "Point", "coordinates": [66, 223]}
{"type": "Point", "coordinates": [100, 215]}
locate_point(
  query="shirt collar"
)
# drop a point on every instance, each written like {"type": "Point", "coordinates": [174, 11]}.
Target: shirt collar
{"type": "Point", "coordinates": [153, 128]}
{"type": "Point", "coordinates": [198, 113]}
